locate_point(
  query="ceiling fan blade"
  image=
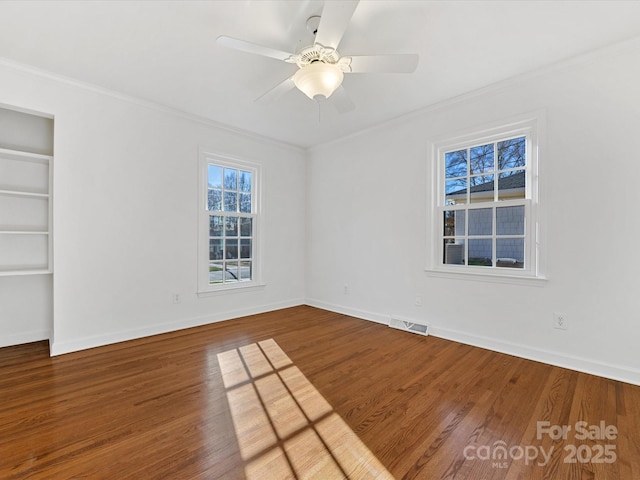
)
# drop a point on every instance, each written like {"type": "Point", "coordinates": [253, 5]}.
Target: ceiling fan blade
{"type": "Point", "coordinates": [340, 99]}
{"type": "Point", "coordinates": [401, 63]}
{"type": "Point", "coordinates": [249, 47]}
{"type": "Point", "coordinates": [334, 21]}
{"type": "Point", "coordinates": [277, 91]}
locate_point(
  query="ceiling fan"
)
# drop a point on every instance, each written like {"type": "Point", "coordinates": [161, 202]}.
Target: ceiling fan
{"type": "Point", "coordinates": [321, 68]}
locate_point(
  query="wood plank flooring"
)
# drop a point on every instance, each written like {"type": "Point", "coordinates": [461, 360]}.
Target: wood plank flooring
{"type": "Point", "coordinates": [306, 393]}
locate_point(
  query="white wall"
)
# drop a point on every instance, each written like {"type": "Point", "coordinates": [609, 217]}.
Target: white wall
{"type": "Point", "coordinates": [125, 189]}
{"type": "Point", "coordinates": [368, 221]}
{"type": "Point", "coordinates": [125, 218]}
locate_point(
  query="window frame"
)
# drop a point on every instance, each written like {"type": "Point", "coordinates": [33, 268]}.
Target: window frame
{"type": "Point", "coordinates": [530, 126]}
{"type": "Point", "coordinates": [207, 158]}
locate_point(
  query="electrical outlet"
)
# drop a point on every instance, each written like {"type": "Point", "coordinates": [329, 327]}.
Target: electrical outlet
{"type": "Point", "coordinates": [175, 298]}
{"type": "Point", "coordinates": [418, 301]}
{"type": "Point", "coordinates": [560, 321]}
{"type": "Point", "coordinates": [345, 289]}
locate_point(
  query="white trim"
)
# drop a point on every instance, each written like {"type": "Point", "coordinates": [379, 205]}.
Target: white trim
{"type": "Point", "coordinates": [539, 281]}
{"type": "Point", "coordinates": [68, 346]}
{"type": "Point", "coordinates": [532, 125]}
{"type": "Point", "coordinates": [23, 194]}
{"type": "Point", "coordinates": [21, 67]}
{"type": "Point", "coordinates": [605, 52]}
{"type": "Point", "coordinates": [352, 312]}
{"type": "Point", "coordinates": [580, 364]}
{"type": "Point", "coordinates": [231, 288]}
{"type": "Point", "coordinates": [22, 155]}
{"type": "Point", "coordinates": [208, 156]}
{"type": "Point", "coordinates": [28, 111]}
{"type": "Point", "coordinates": [24, 337]}
{"type": "Point", "coordinates": [18, 270]}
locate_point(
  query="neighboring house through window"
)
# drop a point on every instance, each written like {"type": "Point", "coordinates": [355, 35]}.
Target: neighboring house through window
{"type": "Point", "coordinates": [485, 202]}
{"type": "Point", "coordinates": [228, 220]}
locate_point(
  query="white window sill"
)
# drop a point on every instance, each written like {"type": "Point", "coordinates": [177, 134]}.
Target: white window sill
{"type": "Point", "coordinates": [231, 288]}
{"type": "Point", "coordinates": [539, 281]}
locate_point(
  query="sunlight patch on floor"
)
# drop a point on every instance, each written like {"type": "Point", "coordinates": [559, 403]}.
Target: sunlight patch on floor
{"type": "Point", "coordinates": [285, 428]}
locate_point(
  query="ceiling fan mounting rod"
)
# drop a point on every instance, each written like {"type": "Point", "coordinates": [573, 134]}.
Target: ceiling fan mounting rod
{"type": "Point", "coordinates": [312, 24]}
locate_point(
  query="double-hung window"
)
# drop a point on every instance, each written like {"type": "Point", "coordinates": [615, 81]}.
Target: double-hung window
{"type": "Point", "coordinates": [228, 224]}
{"type": "Point", "coordinates": [486, 202]}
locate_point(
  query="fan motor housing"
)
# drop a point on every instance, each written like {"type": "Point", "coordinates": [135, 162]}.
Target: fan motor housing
{"type": "Point", "coordinates": [315, 53]}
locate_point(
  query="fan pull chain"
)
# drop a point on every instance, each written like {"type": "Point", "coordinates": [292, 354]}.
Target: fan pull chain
{"type": "Point", "coordinates": [320, 100]}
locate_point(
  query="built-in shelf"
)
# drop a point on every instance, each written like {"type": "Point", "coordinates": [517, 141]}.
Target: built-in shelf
{"type": "Point", "coordinates": [25, 156]}
{"type": "Point", "coordinates": [23, 230]}
{"type": "Point", "coordinates": [23, 193]}
{"type": "Point", "coordinates": [24, 270]}
{"type": "Point", "coordinates": [26, 212]}
{"type": "Point", "coordinates": [25, 183]}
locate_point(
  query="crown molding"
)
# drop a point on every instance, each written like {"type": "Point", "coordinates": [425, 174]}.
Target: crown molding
{"type": "Point", "coordinates": [606, 52]}
{"type": "Point", "coordinates": [176, 112]}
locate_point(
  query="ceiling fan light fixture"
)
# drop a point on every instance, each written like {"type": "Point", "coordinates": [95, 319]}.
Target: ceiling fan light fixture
{"type": "Point", "coordinates": [318, 79]}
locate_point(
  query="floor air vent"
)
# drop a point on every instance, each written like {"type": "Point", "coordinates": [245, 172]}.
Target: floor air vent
{"type": "Point", "coordinates": [409, 326]}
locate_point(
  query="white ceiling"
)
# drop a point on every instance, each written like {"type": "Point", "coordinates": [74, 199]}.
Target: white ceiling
{"type": "Point", "coordinates": [165, 52]}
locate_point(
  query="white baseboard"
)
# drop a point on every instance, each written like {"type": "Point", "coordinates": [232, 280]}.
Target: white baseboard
{"type": "Point", "coordinates": [23, 337]}
{"type": "Point", "coordinates": [352, 312]}
{"type": "Point", "coordinates": [59, 348]}
{"type": "Point", "coordinates": [601, 369]}
{"type": "Point", "coordinates": [585, 365]}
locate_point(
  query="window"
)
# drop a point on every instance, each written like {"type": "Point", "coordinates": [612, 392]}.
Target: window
{"type": "Point", "coordinates": [228, 224]}
{"type": "Point", "coordinates": [485, 202]}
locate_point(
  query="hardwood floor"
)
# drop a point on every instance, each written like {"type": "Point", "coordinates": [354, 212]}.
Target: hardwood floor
{"type": "Point", "coordinates": [306, 393]}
